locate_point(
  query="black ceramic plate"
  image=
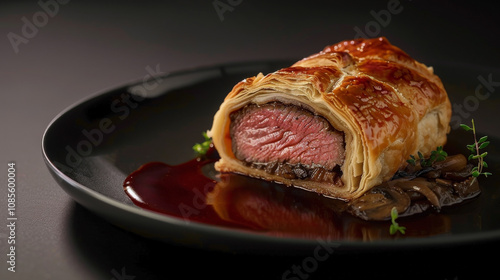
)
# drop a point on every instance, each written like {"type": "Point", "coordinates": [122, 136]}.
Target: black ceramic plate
{"type": "Point", "coordinates": [91, 147]}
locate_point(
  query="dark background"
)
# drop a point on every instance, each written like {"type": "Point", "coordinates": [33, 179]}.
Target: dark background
{"type": "Point", "coordinates": [88, 46]}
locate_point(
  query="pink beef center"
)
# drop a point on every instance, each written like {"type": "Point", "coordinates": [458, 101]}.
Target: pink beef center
{"type": "Point", "coordinates": [276, 132]}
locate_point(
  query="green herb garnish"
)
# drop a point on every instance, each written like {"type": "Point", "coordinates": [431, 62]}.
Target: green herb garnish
{"type": "Point", "coordinates": [395, 227]}
{"type": "Point", "coordinates": [438, 155]}
{"type": "Point", "coordinates": [475, 153]}
{"type": "Point", "coordinates": [201, 149]}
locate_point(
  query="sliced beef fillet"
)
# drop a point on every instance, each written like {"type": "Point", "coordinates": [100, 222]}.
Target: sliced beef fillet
{"type": "Point", "coordinates": [287, 140]}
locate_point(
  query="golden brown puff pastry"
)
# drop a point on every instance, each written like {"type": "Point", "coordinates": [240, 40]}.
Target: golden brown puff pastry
{"type": "Point", "coordinates": [338, 122]}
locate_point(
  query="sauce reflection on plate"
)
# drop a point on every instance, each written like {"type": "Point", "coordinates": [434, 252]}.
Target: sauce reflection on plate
{"type": "Point", "coordinates": [195, 192]}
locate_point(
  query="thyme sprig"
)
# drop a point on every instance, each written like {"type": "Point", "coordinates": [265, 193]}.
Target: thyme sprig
{"type": "Point", "coordinates": [202, 148]}
{"type": "Point", "coordinates": [395, 227]}
{"type": "Point", "coordinates": [437, 155]}
{"type": "Point", "coordinates": [475, 151]}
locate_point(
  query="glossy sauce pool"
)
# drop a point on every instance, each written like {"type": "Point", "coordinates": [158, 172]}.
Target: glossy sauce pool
{"type": "Point", "coordinates": [195, 192]}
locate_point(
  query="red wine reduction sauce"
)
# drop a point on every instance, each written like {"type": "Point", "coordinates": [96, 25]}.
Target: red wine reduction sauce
{"type": "Point", "coordinates": [178, 190]}
{"type": "Point", "coordinates": [186, 191]}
